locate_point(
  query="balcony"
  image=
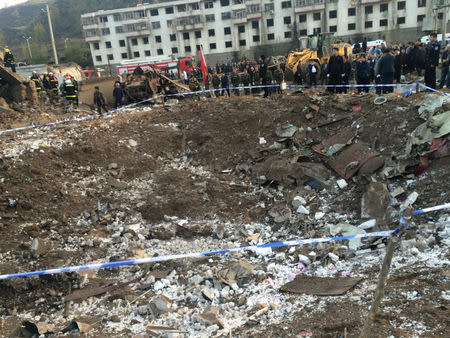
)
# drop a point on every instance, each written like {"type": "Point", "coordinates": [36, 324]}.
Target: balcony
{"type": "Point", "coordinates": [190, 22]}
{"type": "Point", "coordinates": [92, 35]}
{"type": "Point", "coordinates": [239, 16]}
{"type": "Point", "coordinates": [309, 5]}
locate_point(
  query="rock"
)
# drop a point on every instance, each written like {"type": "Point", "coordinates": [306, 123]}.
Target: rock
{"type": "Point", "coordinates": [210, 317]}
{"type": "Point", "coordinates": [397, 192]}
{"type": "Point", "coordinates": [113, 166]}
{"type": "Point", "coordinates": [348, 230]}
{"type": "Point", "coordinates": [34, 248]}
{"type": "Point", "coordinates": [318, 215]}
{"type": "Point", "coordinates": [220, 231]}
{"type": "Point", "coordinates": [286, 130]}
{"type": "Point", "coordinates": [303, 210]}
{"type": "Point", "coordinates": [368, 224]}
{"type": "Point", "coordinates": [309, 116]}
{"type": "Point", "coordinates": [375, 202]}
{"type": "Point", "coordinates": [412, 197]}
{"type": "Point", "coordinates": [159, 306]}
{"type": "Point", "coordinates": [207, 293]}
{"type": "Point", "coordinates": [280, 213]}
{"type": "Point", "coordinates": [234, 273]}
{"type": "Point", "coordinates": [298, 201]}
{"type": "Point", "coordinates": [304, 259]}
{"type": "Point", "coordinates": [132, 143]}
{"type": "Point", "coordinates": [342, 183]}
{"type": "Point", "coordinates": [333, 257]}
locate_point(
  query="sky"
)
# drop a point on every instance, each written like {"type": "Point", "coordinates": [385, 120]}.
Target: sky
{"type": "Point", "coordinates": [7, 3]}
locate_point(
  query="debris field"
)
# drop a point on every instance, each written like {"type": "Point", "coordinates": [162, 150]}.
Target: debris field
{"type": "Point", "coordinates": [228, 172]}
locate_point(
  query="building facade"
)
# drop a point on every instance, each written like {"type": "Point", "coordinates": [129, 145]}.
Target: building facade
{"type": "Point", "coordinates": [237, 28]}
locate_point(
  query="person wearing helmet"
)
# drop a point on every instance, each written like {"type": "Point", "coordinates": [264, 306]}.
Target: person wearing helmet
{"type": "Point", "coordinates": [8, 60]}
{"type": "Point", "coordinates": [69, 92]}
{"type": "Point", "coordinates": [37, 81]}
{"type": "Point", "coordinates": [46, 82]}
{"type": "Point", "coordinates": [53, 87]}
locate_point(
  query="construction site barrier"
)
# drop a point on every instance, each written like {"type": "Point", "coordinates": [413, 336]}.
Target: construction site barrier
{"type": "Point", "coordinates": [215, 252]}
{"type": "Point", "coordinates": [95, 116]}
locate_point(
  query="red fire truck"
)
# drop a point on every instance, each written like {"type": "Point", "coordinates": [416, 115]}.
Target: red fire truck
{"type": "Point", "coordinates": [165, 64]}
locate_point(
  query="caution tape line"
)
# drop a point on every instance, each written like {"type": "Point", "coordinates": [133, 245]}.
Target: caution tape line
{"type": "Point", "coordinates": [220, 251]}
{"type": "Point", "coordinates": [123, 108]}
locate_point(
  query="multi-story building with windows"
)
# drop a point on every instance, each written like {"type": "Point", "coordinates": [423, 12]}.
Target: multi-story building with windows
{"type": "Point", "coordinates": [235, 28]}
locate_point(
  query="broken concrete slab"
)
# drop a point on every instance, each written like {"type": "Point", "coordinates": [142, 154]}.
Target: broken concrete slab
{"type": "Point", "coordinates": [430, 104]}
{"type": "Point", "coordinates": [320, 286]}
{"type": "Point", "coordinates": [210, 317]}
{"type": "Point", "coordinates": [348, 230]}
{"type": "Point", "coordinates": [280, 213]}
{"type": "Point", "coordinates": [286, 130]}
{"type": "Point", "coordinates": [437, 126]}
{"type": "Point", "coordinates": [334, 143]}
{"type": "Point", "coordinates": [237, 272]}
{"type": "Point", "coordinates": [159, 305]}
{"type": "Point", "coordinates": [375, 202]}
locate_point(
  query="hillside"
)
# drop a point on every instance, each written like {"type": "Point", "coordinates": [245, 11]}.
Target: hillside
{"type": "Point", "coordinates": [28, 19]}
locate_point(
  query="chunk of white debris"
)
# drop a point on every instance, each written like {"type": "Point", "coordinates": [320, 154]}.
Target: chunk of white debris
{"type": "Point", "coordinates": [262, 140]}
{"type": "Point", "coordinates": [319, 215]}
{"type": "Point", "coordinates": [368, 224]}
{"type": "Point", "coordinates": [302, 210]}
{"type": "Point", "coordinates": [342, 183]}
{"type": "Point", "coordinates": [333, 257]}
{"type": "Point", "coordinates": [132, 143]}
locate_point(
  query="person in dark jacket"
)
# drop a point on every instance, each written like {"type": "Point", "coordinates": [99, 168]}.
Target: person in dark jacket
{"type": "Point", "coordinates": [445, 68]}
{"type": "Point", "coordinates": [364, 46]}
{"type": "Point", "coordinates": [312, 69]}
{"type": "Point", "coordinates": [362, 73]}
{"type": "Point", "coordinates": [324, 72]}
{"type": "Point", "coordinates": [432, 61]}
{"type": "Point", "coordinates": [404, 58]}
{"type": "Point", "coordinates": [118, 95]}
{"type": "Point", "coordinates": [335, 71]}
{"type": "Point", "coordinates": [419, 57]}
{"type": "Point", "coordinates": [386, 69]}
{"type": "Point", "coordinates": [99, 101]}
{"type": "Point", "coordinates": [225, 85]}
{"type": "Point", "coordinates": [8, 60]}
{"type": "Point", "coordinates": [397, 66]}
{"type": "Point", "coordinates": [347, 74]}
{"type": "Point", "coordinates": [298, 75]}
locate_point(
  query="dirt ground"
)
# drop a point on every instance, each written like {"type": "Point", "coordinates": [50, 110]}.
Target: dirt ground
{"type": "Point", "coordinates": [181, 162]}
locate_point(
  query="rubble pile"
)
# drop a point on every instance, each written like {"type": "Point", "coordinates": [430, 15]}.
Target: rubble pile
{"type": "Point", "coordinates": [222, 174]}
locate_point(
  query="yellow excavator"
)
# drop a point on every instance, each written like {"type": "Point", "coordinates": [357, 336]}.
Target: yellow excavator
{"type": "Point", "coordinates": [317, 48]}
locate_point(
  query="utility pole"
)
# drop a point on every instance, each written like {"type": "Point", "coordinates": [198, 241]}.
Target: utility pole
{"type": "Point", "coordinates": [55, 55]}
{"type": "Point", "coordinates": [28, 44]}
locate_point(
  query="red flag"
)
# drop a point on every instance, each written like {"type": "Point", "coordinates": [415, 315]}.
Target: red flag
{"type": "Point", "coordinates": [203, 64]}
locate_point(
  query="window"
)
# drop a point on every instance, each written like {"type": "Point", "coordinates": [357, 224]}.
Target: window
{"type": "Point", "coordinates": [181, 8]}
{"type": "Point", "coordinates": [269, 7]}
{"type": "Point", "coordinates": [368, 24]}
{"type": "Point", "coordinates": [98, 58]}
{"type": "Point", "coordinates": [105, 31]}
{"type": "Point", "coordinates": [352, 11]}
{"type": "Point", "coordinates": [400, 20]}
{"type": "Point", "coordinates": [108, 44]}
{"type": "Point", "coordinates": [174, 50]}
{"type": "Point", "coordinates": [103, 19]}
{"type": "Point", "coordinates": [154, 12]}
{"type": "Point", "coordinates": [147, 53]}
{"type": "Point", "coordinates": [160, 51]}
{"type": "Point", "coordinates": [287, 35]}
{"type": "Point", "coordinates": [117, 17]}
{"type": "Point", "coordinates": [269, 22]}
{"type": "Point", "coordinates": [316, 16]}
{"type": "Point", "coordinates": [255, 38]}
{"type": "Point", "coordinates": [209, 4]}
{"type": "Point", "coordinates": [136, 54]}
{"type": "Point", "coordinates": [420, 18]}
{"type": "Point", "coordinates": [173, 37]}
{"type": "Point", "coordinates": [169, 10]}
{"type": "Point", "coordinates": [440, 16]}
{"type": "Point", "coordinates": [383, 23]}
{"type": "Point", "coordinates": [134, 42]}
{"type": "Point", "coordinates": [212, 46]}
{"type": "Point", "coordinates": [119, 29]}
{"type": "Point", "coordinates": [96, 45]}
{"type": "Point", "coordinates": [195, 6]}
{"type": "Point", "coordinates": [210, 18]}
{"type": "Point", "coordinates": [332, 14]}
{"type": "Point", "coordinates": [303, 32]}
{"type": "Point", "coordinates": [332, 29]}
{"type": "Point", "coordinates": [241, 29]}
{"type": "Point", "coordinates": [224, 3]}
{"type": "Point", "coordinates": [351, 26]}
{"type": "Point", "coordinates": [197, 47]}
{"type": "Point", "coordinates": [242, 42]}
{"type": "Point", "coordinates": [421, 3]}
{"type": "Point", "coordinates": [271, 36]}
{"type": "Point", "coordinates": [255, 24]}
{"type": "Point", "coordinates": [228, 44]}
{"type": "Point", "coordinates": [302, 18]}
{"type": "Point", "coordinates": [211, 32]}
{"type": "Point", "coordinates": [287, 20]}
{"type": "Point", "coordinates": [368, 9]}
{"type": "Point", "coordinates": [227, 30]}
{"type": "Point", "coordinates": [286, 4]}
{"type": "Point", "coordinates": [401, 5]}
{"type": "Point", "coordinates": [198, 34]}
{"type": "Point", "coordinates": [156, 25]}
{"type": "Point", "coordinates": [145, 40]}
{"type": "Point", "coordinates": [226, 15]}
{"type": "Point", "coordinates": [124, 55]}
{"type": "Point", "coordinates": [158, 39]}
{"type": "Point", "coordinates": [186, 36]}
{"type": "Point", "coordinates": [384, 7]}
{"type": "Point", "coordinates": [110, 57]}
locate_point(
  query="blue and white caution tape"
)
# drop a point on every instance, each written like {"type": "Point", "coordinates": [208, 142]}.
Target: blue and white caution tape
{"type": "Point", "coordinates": [94, 116]}
{"type": "Point", "coordinates": [430, 209]}
{"type": "Point", "coordinates": [193, 255]}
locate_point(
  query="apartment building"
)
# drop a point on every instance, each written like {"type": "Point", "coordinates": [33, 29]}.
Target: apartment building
{"type": "Point", "coordinates": [236, 28]}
